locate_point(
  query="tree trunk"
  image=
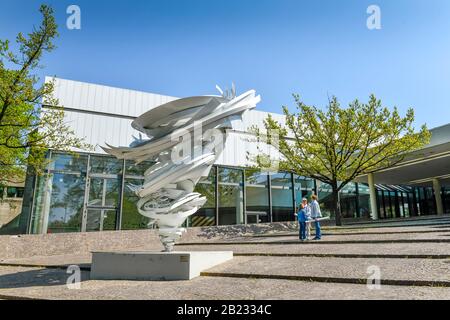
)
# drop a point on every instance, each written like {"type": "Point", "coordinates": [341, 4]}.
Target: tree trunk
{"type": "Point", "coordinates": [337, 206]}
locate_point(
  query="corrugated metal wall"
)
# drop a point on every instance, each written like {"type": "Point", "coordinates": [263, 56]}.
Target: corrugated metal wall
{"type": "Point", "coordinates": [102, 114]}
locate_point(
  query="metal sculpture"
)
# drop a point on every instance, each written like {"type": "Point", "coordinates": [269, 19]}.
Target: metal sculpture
{"type": "Point", "coordinates": [186, 136]}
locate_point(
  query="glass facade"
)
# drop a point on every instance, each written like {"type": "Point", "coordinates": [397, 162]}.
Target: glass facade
{"type": "Point", "coordinates": [231, 196]}
{"type": "Point", "coordinates": [399, 202]}
{"type": "Point", "coordinates": [206, 216]}
{"type": "Point", "coordinates": [303, 188]}
{"type": "Point", "coordinates": [282, 196]}
{"type": "Point", "coordinates": [446, 199]}
{"type": "Point", "coordinates": [81, 192]}
{"type": "Point", "coordinates": [257, 196]}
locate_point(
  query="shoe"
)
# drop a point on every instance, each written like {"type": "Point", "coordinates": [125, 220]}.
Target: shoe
{"type": "Point", "coordinates": [316, 238]}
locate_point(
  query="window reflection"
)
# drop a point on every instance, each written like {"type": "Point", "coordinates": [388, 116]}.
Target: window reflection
{"type": "Point", "coordinates": [231, 209]}
{"type": "Point", "coordinates": [257, 196]}
{"type": "Point", "coordinates": [66, 204]}
{"type": "Point", "coordinates": [131, 218]}
{"type": "Point", "coordinates": [282, 197]}
{"type": "Point", "coordinates": [206, 215]}
{"type": "Point", "coordinates": [106, 165]}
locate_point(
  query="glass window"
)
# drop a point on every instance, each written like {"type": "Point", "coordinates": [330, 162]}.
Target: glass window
{"type": "Point", "coordinates": [364, 200]}
{"type": "Point", "coordinates": [206, 215]}
{"type": "Point", "coordinates": [257, 196]}
{"type": "Point", "coordinates": [431, 202]}
{"type": "Point", "coordinates": [106, 165]}
{"type": "Point", "coordinates": [137, 170]}
{"type": "Point", "coordinates": [20, 192]}
{"type": "Point", "coordinates": [11, 192]}
{"type": "Point", "coordinates": [101, 220]}
{"type": "Point", "coordinates": [231, 206]}
{"type": "Point", "coordinates": [446, 199]}
{"type": "Point", "coordinates": [325, 194]}
{"type": "Point", "coordinates": [66, 204]}
{"type": "Point", "coordinates": [392, 210]}
{"type": "Point", "coordinates": [304, 188]}
{"type": "Point", "coordinates": [348, 201]}
{"type": "Point", "coordinates": [382, 204]}
{"type": "Point", "coordinates": [131, 218]}
{"type": "Point", "coordinates": [67, 162]}
{"type": "Point", "coordinates": [103, 192]}
{"type": "Point", "coordinates": [406, 209]}
{"type": "Point", "coordinates": [282, 201]}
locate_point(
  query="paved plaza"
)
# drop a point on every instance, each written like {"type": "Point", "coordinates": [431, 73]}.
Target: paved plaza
{"type": "Point", "coordinates": [413, 258]}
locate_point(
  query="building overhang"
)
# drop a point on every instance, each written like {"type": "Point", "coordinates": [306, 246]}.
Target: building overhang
{"type": "Point", "coordinates": [419, 168]}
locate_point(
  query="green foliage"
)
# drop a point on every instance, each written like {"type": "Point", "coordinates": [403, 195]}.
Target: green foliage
{"type": "Point", "coordinates": [26, 129]}
{"type": "Point", "coordinates": [339, 144]}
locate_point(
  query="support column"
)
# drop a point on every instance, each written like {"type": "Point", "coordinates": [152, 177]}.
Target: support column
{"type": "Point", "coordinates": [437, 196]}
{"type": "Point", "coordinates": [373, 197]}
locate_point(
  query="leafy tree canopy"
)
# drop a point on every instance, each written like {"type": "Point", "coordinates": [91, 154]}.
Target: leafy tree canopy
{"type": "Point", "coordinates": [338, 144]}
{"type": "Point", "coordinates": [27, 129]}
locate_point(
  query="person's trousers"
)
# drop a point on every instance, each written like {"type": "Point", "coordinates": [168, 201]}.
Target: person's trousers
{"type": "Point", "coordinates": [317, 227]}
{"type": "Point", "coordinates": [308, 230]}
{"type": "Point", "coordinates": [302, 231]}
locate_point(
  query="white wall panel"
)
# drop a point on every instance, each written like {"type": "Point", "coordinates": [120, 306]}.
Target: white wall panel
{"type": "Point", "coordinates": [97, 129]}
{"type": "Point", "coordinates": [98, 98]}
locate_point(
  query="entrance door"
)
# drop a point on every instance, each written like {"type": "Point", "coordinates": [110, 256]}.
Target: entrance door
{"type": "Point", "coordinates": [102, 204]}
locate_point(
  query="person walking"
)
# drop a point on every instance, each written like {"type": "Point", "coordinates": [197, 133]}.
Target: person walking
{"type": "Point", "coordinates": [316, 215]}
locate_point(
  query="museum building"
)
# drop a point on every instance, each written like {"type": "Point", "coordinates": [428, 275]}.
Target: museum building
{"type": "Point", "coordinates": [88, 191]}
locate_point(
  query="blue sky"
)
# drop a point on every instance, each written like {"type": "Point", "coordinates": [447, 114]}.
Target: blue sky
{"type": "Point", "coordinates": [314, 48]}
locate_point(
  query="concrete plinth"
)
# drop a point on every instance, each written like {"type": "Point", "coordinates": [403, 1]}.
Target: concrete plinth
{"type": "Point", "coordinates": [177, 265]}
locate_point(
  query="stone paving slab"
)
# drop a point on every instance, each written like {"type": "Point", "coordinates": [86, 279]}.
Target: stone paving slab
{"type": "Point", "coordinates": [396, 269]}
{"type": "Point", "coordinates": [346, 232]}
{"type": "Point", "coordinates": [396, 249]}
{"type": "Point", "coordinates": [50, 284]}
{"type": "Point", "coordinates": [354, 237]}
{"type": "Point", "coordinates": [362, 248]}
{"type": "Point", "coordinates": [83, 260]}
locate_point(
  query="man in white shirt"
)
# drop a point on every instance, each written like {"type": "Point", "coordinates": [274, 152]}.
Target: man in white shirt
{"type": "Point", "coordinates": [315, 215]}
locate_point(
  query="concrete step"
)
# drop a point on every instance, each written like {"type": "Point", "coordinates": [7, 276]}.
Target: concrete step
{"type": "Point", "coordinates": [409, 272]}
{"type": "Point", "coordinates": [320, 248]}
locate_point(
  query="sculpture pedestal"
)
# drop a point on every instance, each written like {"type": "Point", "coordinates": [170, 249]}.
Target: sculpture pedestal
{"type": "Point", "coordinates": [177, 265]}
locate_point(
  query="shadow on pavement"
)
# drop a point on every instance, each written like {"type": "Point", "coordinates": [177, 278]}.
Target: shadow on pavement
{"type": "Point", "coordinates": [38, 278]}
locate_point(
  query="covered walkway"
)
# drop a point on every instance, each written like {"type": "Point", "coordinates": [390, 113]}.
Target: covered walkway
{"type": "Point", "coordinates": [427, 170]}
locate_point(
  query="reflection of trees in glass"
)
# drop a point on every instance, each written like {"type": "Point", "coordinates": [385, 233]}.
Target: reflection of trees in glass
{"type": "Point", "coordinates": [105, 164]}
{"type": "Point", "coordinates": [230, 175]}
{"type": "Point", "coordinates": [207, 190]}
{"type": "Point", "coordinates": [137, 170]}
{"type": "Point", "coordinates": [96, 192]}
{"type": "Point", "coordinates": [230, 186]}
{"type": "Point", "coordinates": [67, 194]}
{"type": "Point", "coordinates": [131, 218]}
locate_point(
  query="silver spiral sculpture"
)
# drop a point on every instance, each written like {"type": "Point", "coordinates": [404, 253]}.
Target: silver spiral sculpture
{"type": "Point", "coordinates": [185, 138]}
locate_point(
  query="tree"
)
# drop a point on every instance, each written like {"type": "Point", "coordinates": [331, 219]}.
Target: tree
{"type": "Point", "coordinates": [337, 145]}
{"type": "Point", "coordinates": [27, 130]}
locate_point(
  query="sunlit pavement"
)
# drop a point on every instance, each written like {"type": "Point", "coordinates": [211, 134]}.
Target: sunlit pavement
{"type": "Point", "coordinates": [412, 260]}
